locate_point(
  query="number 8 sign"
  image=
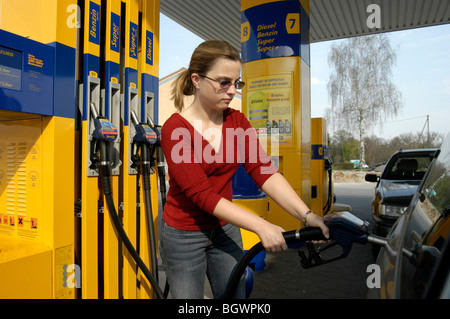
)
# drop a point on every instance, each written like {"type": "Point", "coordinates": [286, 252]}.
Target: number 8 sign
{"type": "Point", "coordinates": [245, 31]}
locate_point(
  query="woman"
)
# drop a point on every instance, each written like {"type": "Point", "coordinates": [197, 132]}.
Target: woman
{"type": "Point", "coordinates": [202, 145]}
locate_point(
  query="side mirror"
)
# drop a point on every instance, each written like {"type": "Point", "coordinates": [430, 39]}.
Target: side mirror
{"type": "Point", "coordinates": [372, 178]}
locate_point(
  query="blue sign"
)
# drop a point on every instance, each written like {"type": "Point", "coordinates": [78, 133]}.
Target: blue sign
{"type": "Point", "coordinates": [275, 29]}
{"type": "Point", "coordinates": [10, 69]}
{"type": "Point", "coordinates": [26, 75]}
{"type": "Point", "coordinates": [317, 152]}
{"type": "Point", "coordinates": [134, 33]}
{"type": "Point", "coordinates": [94, 23]}
{"type": "Point", "coordinates": [115, 32]}
{"type": "Point", "coordinates": [149, 48]}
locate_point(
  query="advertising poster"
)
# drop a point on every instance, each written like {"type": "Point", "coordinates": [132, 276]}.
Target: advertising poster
{"type": "Point", "coordinates": [270, 108]}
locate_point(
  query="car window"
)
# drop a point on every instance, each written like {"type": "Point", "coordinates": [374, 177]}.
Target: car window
{"type": "Point", "coordinates": [407, 168]}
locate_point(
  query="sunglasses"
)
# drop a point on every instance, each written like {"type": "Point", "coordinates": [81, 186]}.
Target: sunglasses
{"type": "Point", "coordinates": [226, 84]}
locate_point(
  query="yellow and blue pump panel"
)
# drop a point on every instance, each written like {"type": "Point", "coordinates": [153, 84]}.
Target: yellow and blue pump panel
{"type": "Point", "coordinates": [37, 111]}
{"type": "Point", "coordinates": [276, 100]}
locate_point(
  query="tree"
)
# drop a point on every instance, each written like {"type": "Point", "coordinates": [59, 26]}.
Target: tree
{"type": "Point", "coordinates": [360, 87]}
{"type": "Point", "coordinates": [344, 147]}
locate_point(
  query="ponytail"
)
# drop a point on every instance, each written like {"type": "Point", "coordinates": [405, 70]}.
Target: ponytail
{"type": "Point", "coordinates": [182, 86]}
{"type": "Point", "coordinates": [203, 58]}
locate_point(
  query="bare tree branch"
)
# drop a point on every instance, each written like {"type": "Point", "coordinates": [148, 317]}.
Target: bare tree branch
{"type": "Point", "coordinates": [360, 87]}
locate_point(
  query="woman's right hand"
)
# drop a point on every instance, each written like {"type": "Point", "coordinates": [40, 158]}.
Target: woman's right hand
{"type": "Point", "coordinates": [272, 238]}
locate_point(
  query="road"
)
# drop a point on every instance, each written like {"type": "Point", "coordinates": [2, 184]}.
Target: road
{"type": "Point", "coordinates": [284, 277]}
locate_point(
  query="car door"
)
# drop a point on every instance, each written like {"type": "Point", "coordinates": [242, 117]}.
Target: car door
{"type": "Point", "coordinates": [415, 243]}
{"type": "Point", "coordinates": [428, 228]}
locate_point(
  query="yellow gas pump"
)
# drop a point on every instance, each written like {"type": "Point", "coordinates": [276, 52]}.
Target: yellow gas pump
{"type": "Point", "coordinates": [37, 125]}
{"type": "Point", "coordinates": [276, 98]}
{"type": "Point", "coordinates": [111, 110]}
{"type": "Point", "coordinates": [321, 183]}
{"type": "Point", "coordinates": [129, 172]}
{"type": "Point", "coordinates": [149, 87]}
{"type": "Point", "coordinates": [41, 147]}
{"type": "Point", "coordinates": [90, 92]}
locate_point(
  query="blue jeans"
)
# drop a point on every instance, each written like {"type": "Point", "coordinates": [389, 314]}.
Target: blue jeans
{"type": "Point", "coordinates": [188, 255]}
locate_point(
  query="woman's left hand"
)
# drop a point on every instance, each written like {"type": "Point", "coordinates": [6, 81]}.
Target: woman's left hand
{"type": "Point", "coordinates": [312, 220]}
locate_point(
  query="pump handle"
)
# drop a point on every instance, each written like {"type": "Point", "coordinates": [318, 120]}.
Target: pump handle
{"type": "Point", "coordinates": [293, 236]}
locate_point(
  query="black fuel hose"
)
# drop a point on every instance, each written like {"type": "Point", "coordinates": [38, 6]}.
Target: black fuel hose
{"type": "Point", "coordinates": [146, 170]}
{"type": "Point", "coordinates": [107, 191]}
{"type": "Point", "coordinates": [162, 175]}
{"type": "Point", "coordinates": [328, 204]}
{"type": "Point", "coordinates": [293, 236]}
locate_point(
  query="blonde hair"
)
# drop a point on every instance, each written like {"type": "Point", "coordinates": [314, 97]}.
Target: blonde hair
{"type": "Point", "coordinates": [203, 58]}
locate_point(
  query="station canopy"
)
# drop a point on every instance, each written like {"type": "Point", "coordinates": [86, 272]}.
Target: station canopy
{"type": "Point", "coordinates": [329, 19]}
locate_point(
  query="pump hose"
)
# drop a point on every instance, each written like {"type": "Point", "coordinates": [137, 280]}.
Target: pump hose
{"type": "Point", "coordinates": [293, 236]}
{"type": "Point", "coordinates": [107, 191]}
{"type": "Point", "coordinates": [162, 190]}
{"type": "Point", "coordinates": [328, 204]}
{"type": "Point", "coordinates": [146, 165]}
{"type": "Point", "coordinates": [162, 175]}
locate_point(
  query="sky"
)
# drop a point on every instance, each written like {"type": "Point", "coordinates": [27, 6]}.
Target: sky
{"type": "Point", "coordinates": [421, 74]}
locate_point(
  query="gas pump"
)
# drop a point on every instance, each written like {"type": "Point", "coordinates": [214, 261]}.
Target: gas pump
{"type": "Point", "coordinates": [276, 100]}
{"type": "Point", "coordinates": [145, 139]}
{"type": "Point", "coordinates": [111, 108]}
{"type": "Point", "coordinates": [128, 187]}
{"type": "Point", "coordinates": [89, 95]}
{"type": "Point", "coordinates": [321, 168]}
{"type": "Point", "coordinates": [148, 83]}
{"type": "Point", "coordinates": [104, 133]}
{"type": "Point", "coordinates": [116, 134]}
{"type": "Point", "coordinates": [37, 125]}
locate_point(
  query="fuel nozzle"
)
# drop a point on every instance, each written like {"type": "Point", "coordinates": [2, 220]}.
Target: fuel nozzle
{"type": "Point", "coordinates": [145, 138]}
{"type": "Point", "coordinates": [104, 133]}
{"type": "Point", "coordinates": [104, 129]}
{"type": "Point", "coordinates": [159, 159]}
{"type": "Point", "coordinates": [345, 229]}
{"type": "Point", "coordinates": [144, 132]}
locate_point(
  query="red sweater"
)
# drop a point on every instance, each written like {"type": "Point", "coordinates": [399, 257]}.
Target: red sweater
{"type": "Point", "coordinates": [199, 177]}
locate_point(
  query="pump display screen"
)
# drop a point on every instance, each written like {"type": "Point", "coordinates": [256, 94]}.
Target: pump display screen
{"type": "Point", "coordinates": [10, 69]}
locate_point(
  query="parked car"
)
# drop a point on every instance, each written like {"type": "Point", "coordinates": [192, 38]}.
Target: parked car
{"type": "Point", "coordinates": [396, 186]}
{"type": "Point", "coordinates": [415, 260]}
